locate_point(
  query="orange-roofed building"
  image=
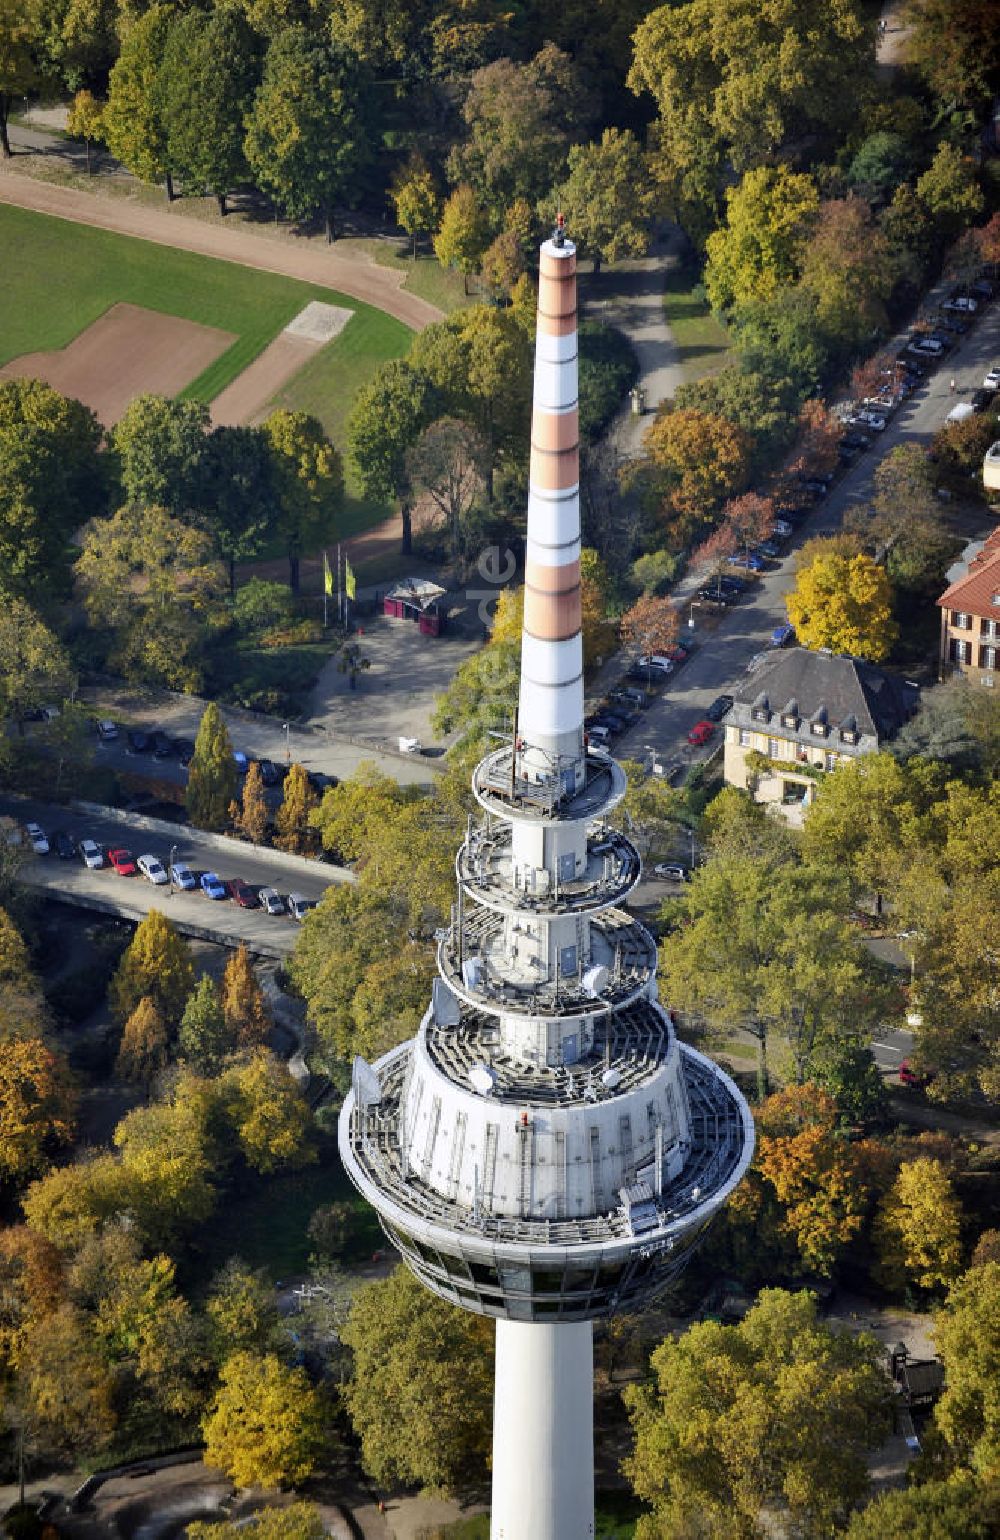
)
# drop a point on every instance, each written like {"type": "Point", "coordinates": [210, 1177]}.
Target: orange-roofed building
{"type": "Point", "coordinates": [970, 614]}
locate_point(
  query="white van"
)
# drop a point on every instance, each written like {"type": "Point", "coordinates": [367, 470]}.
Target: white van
{"type": "Point", "coordinates": [960, 412]}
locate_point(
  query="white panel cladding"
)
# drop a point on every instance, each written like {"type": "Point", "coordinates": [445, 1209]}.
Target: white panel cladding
{"type": "Point", "coordinates": [556, 387]}
{"type": "Point", "coordinates": [554, 516]}
{"type": "Point", "coordinates": [555, 350]}
{"type": "Point", "coordinates": [553, 555]}
{"type": "Point", "coordinates": [535, 848]}
{"type": "Point", "coordinates": [576, 1175]}
{"type": "Point", "coordinates": [551, 663]}
{"type": "Point", "coordinates": [551, 717]}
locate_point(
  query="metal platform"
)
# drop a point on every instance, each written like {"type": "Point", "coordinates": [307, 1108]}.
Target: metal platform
{"type": "Point", "coordinates": [485, 868]}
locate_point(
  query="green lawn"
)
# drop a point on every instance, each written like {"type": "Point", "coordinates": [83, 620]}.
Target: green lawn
{"type": "Point", "coordinates": [702, 341]}
{"type": "Point", "coordinates": [59, 277]}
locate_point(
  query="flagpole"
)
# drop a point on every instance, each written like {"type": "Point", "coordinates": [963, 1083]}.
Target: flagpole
{"type": "Point", "coordinates": [326, 586]}
{"type": "Point", "coordinates": [340, 591]}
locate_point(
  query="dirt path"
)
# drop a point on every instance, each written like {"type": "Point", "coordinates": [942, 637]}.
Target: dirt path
{"type": "Point", "coordinates": [312, 262]}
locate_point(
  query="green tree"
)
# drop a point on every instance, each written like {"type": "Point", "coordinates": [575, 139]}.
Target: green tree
{"type": "Point", "coordinates": [956, 1509]}
{"type": "Point", "coordinates": [388, 416]}
{"type": "Point", "coordinates": [34, 665]}
{"type": "Point", "coordinates": [917, 1230]}
{"type": "Point", "coordinates": [238, 501]}
{"type": "Point", "coordinates": [133, 119]}
{"type": "Point", "coordinates": [815, 1399]}
{"type": "Point", "coordinates": [881, 163]}
{"type": "Point", "coordinates": [208, 77]}
{"type": "Point", "coordinates": [251, 815]}
{"type": "Point", "coordinates": [904, 519]}
{"type": "Point", "coordinates": [967, 1336]}
{"type": "Point", "coordinates": [143, 1051]}
{"type": "Point", "coordinates": [844, 603]}
{"type": "Point", "coordinates": [241, 1310]}
{"type": "Point", "coordinates": [292, 819]}
{"type": "Point", "coordinates": [949, 191]}
{"type": "Point", "coordinates": [958, 963]}
{"type": "Point", "coordinates": [415, 196]}
{"type": "Point", "coordinates": [212, 777]}
{"type": "Point", "coordinates": [246, 1012]}
{"type": "Point", "coordinates": [156, 964]}
{"type": "Point", "coordinates": [607, 197]}
{"type": "Point", "coordinates": [304, 138]}
{"type": "Point", "coordinates": [161, 446]}
{"type": "Point", "coordinates": [768, 219]}
{"type": "Point", "coordinates": [266, 1425]}
{"type": "Point", "coordinates": [52, 478]}
{"type": "Point", "coordinates": [86, 120]}
{"type": "Point", "coordinates": [37, 1104]}
{"type": "Point", "coordinates": [308, 482]}
{"type": "Point", "coordinates": [869, 821]}
{"type": "Point", "coordinates": [204, 1037]}
{"type": "Point", "coordinates": [420, 1398]}
{"type": "Point", "coordinates": [463, 233]}
{"type": "Point", "coordinates": [19, 72]}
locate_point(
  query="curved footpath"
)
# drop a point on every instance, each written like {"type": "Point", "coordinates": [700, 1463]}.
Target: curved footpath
{"type": "Point", "coordinates": [356, 276]}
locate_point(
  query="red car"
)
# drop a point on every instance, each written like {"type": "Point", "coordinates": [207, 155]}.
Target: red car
{"type": "Point", "coordinates": [678, 653]}
{"type": "Point", "coordinates": [701, 732]}
{"type": "Point", "coordinates": [242, 893]}
{"type": "Point", "coordinates": [912, 1077]}
{"type": "Point", "coordinates": [123, 862]}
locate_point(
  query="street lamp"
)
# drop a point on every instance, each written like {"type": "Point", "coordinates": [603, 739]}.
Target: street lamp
{"type": "Point", "coordinates": [694, 605]}
{"type": "Point", "coordinates": [288, 747]}
{"type": "Point", "coordinates": [173, 853]}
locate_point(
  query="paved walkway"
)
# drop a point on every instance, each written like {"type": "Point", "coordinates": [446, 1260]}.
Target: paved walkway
{"type": "Point", "coordinates": [308, 258]}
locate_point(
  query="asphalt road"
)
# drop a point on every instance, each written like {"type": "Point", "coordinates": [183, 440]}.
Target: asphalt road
{"type": "Point", "coordinates": [720, 658]}
{"type": "Point", "coordinates": [133, 897]}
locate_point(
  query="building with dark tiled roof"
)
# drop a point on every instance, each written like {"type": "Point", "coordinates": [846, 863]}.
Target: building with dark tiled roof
{"type": "Point", "coordinates": [806, 713]}
{"type": "Point", "coordinates": [970, 614]}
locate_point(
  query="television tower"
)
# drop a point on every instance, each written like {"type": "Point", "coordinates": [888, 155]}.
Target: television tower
{"type": "Point", "coordinates": [546, 1151]}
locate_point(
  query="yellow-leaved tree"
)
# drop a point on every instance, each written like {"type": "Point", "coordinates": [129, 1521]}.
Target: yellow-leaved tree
{"type": "Point", "coordinates": [917, 1231]}
{"type": "Point", "coordinates": [844, 603]}
{"type": "Point", "coordinates": [266, 1425]}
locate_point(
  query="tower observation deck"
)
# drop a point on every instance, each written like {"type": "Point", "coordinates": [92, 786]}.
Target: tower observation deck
{"type": "Point", "coordinates": [546, 1151]}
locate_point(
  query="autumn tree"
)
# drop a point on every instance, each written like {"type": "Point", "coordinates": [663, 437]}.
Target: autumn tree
{"type": "Point", "coordinates": [449, 464]}
{"type": "Point", "coordinates": [267, 1425]}
{"type": "Point", "coordinates": [966, 1335]}
{"type": "Point", "coordinates": [203, 1037]}
{"type": "Point", "coordinates": [270, 1116]}
{"type": "Point", "coordinates": [68, 1386]}
{"type": "Point", "coordinates": [133, 118]}
{"type": "Point", "coordinates": [308, 481]}
{"type": "Point", "coordinates": [292, 819]}
{"type": "Point", "coordinates": [768, 217]}
{"type": "Point", "coordinates": [157, 966]}
{"type": "Point", "coordinates": [463, 233]}
{"type": "Point", "coordinates": [241, 1310]}
{"type": "Point", "coordinates": [34, 666]}
{"type": "Point", "coordinates": [650, 626]}
{"type": "Point", "coordinates": [37, 1105]}
{"type": "Point", "coordinates": [143, 1051]}
{"type": "Point", "coordinates": [846, 264]}
{"type": "Point", "coordinates": [251, 815]}
{"type": "Point", "coordinates": [304, 134]}
{"type": "Point", "coordinates": [244, 1008]}
{"type": "Point", "coordinates": [697, 460]}
{"type": "Point", "coordinates": [959, 1508]}
{"type": "Point", "coordinates": [816, 1399]}
{"type": "Point", "coordinates": [844, 603]}
{"type": "Point", "coordinates": [85, 120]}
{"type": "Point", "coordinates": [904, 520]}
{"type": "Point", "coordinates": [607, 198]}
{"type": "Point", "coordinates": [415, 196]}
{"type": "Point", "coordinates": [502, 264]}
{"type": "Point", "coordinates": [751, 517]}
{"type": "Point", "coordinates": [949, 191]}
{"type": "Point", "coordinates": [297, 1521]}
{"type": "Point", "coordinates": [212, 776]}
{"type": "Point", "coordinates": [420, 1397]}
{"type": "Point", "coordinates": [917, 1230]}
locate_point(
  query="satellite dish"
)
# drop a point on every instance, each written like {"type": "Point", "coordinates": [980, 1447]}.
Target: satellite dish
{"type": "Point", "coordinates": [611, 1078]}
{"type": "Point", "coordinates": [595, 980]}
{"type": "Point", "coordinates": [482, 1079]}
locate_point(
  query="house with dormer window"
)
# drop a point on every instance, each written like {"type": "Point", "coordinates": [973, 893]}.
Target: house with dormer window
{"type": "Point", "coordinates": [804, 713]}
{"type": "Point", "coordinates": [970, 614]}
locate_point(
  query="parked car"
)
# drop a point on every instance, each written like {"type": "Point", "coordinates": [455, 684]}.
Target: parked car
{"type": "Point", "coordinates": [637, 699]}
{"type": "Point", "coordinates": [298, 906]}
{"type": "Point", "coordinates": [212, 885]}
{"type": "Point", "coordinates": [964, 304]}
{"type": "Point", "coordinates": [242, 761]}
{"type": "Point", "coordinates": [782, 528]}
{"type": "Point", "coordinates": [983, 290]}
{"type": "Point", "coordinates": [320, 781]}
{"type": "Point", "coordinates": [747, 561]}
{"type": "Point", "coordinates": [184, 749]}
{"type": "Point", "coordinates": [723, 597]}
{"type": "Point", "coordinates": [991, 380]}
{"type": "Point", "coordinates": [91, 854]}
{"type": "Point", "coordinates": [657, 660]}
{"type": "Point", "coordinates": [768, 549]}
{"type": "Point", "coordinates": [855, 441]}
{"type": "Point", "coordinates": [37, 838]}
{"type": "Point", "coordinates": [926, 347]}
{"type": "Point", "coordinates": [671, 871]}
{"type": "Point", "coordinates": [271, 901]}
{"type": "Point", "coordinates": [956, 324]}
{"type": "Point", "coordinates": [107, 730]}
{"type": "Point", "coordinates": [678, 653]}
{"type": "Point", "coordinates": [153, 870]}
{"type": "Point", "coordinates": [269, 773]}
{"type": "Point", "coordinates": [721, 705]}
{"type": "Point", "coordinates": [63, 845]}
{"type": "Point", "coordinates": [981, 399]}
{"type": "Point", "coordinates": [700, 733]}
{"type": "Point", "coordinates": [138, 741]}
{"type": "Point", "coordinates": [123, 861]}
{"type": "Point", "coordinates": [242, 893]}
{"type": "Point", "coordinates": [598, 737]}
{"type": "Point", "coordinates": [866, 419]}
{"type": "Point", "coordinates": [182, 876]}
{"type": "Point", "coordinates": [163, 746]}
{"type": "Point", "coordinates": [782, 635]}
{"type": "Point", "coordinates": [912, 1077]}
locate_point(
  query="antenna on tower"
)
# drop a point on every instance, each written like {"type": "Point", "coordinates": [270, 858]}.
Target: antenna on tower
{"type": "Point", "coordinates": [559, 233]}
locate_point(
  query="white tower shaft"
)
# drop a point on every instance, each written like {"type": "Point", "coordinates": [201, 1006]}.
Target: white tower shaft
{"type": "Point", "coordinates": [543, 1432]}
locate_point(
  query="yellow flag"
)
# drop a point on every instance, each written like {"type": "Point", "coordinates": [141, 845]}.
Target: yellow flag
{"type": "Point", "coordinates": [327, 576]}
{"type": "Point", "coordinates": [350, 581]}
